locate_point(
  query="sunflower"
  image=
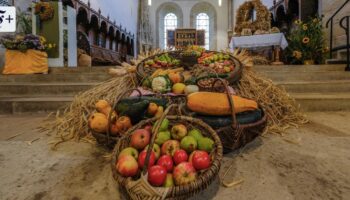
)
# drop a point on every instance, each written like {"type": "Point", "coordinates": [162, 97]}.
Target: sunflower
{"type": "Point", "coordinates": [305, 27]}
{"type": "Point", "coordinates": [315, 20]}
{"type": "Point", "coordinates": [297, 22]}
{"type": "Point", "coordinates": [297, 54]}
{"type": "Point", "coordinates": [306, 40]}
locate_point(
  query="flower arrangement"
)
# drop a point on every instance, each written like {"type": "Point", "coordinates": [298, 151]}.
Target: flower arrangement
{"type": "Point", "coordinates": [306, 42]}
{"type": "Point", "coordinates": [44, 10]}
{"type": "Point", "coordinates": [23, 43]}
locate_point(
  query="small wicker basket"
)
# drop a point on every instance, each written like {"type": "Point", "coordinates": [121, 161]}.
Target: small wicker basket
{"type": "Point", "coordinates": [140, 189]}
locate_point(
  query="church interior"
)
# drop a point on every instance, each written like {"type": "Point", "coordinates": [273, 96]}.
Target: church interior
{"type": "Point", "coordinates": [174, 99]}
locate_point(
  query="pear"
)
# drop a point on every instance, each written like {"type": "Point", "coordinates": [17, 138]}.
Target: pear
{"type": "Point", "coordinates": [162, 137]}
{"type": "Point", "coordinates": [196, 133]}
{"type": "Point", "coordinates": [189, 144]}
{"type": "Point", "coordinates": [205, 144]}
{"type": "Point", "coordinates": [165, 125]}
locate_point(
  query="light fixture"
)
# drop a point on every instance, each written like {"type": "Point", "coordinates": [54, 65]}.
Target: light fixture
{"type": "Point", "coordinates": [220, 3]}
{"type": "Point", "coordinates": [149, 2]}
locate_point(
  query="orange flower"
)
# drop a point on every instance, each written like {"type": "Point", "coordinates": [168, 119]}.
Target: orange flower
{"type": "Point", "coordinates": [297, 54]}
{"type": "Point", "coordinates": [306, 40]}
{"type": "Point", "coordinates": [305, 27]}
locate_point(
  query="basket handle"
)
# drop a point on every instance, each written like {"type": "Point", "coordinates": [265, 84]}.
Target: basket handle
{"type": "Point", "coordinates": [230, 99]}
{"type": "Point", "coordinates": [113, 109]}
{"type": "Point", "coordinates": [155, 132]}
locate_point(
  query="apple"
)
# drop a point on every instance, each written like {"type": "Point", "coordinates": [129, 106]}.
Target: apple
{"type": "Point", "coordinates": [127, 166]}
{"type": "Point", "coordinates": [140, 139]}
{"type": "Point", "coordinates": [156, 150]}
{"type": "Point", "coordinates": [196, 133]}
{"type": "Point", "coordinates": [200, 160]}
{"type": "Point", "coordinates": [157, 175]}
{"type": "Point", "coordinates": [142, 159]}
{"type": "Point", "coordinates": [189, 144]}
{"type": "Point", "coordinates": [184, 173]}
{"type": "Point", "coordinates": [167, 162]}
{"type": "Point", "coordinates": [129, 151]}
{"type": "Point", "coordinates": [169, 147]}
{"type": "Point", "coordinates": [169, 181]}
{"type": "Point", "coordinates": [180, 156]}
{"type": "Point", "coordinates": [164, 125]}
{"type": "Point", "coordinates": [162, 137]}
{"type": "Point", "coordinates": [148, 128]}
{"type": "Point", "coordinates": [178, 131]}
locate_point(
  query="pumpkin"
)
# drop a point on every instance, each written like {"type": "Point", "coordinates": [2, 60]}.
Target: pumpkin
{"type": "Point", "coordinates": [103, 106]}
{"type": "Point", "coordinates": [176, 77]}
{"type": "Point", "coordinates": [217, 104]}
{"type": "Point", "coordinates": [152, 109]}
{"type": "Point", "coordinates": [98, 122]}
{"type": "Point", "coordinates": [123, 124]}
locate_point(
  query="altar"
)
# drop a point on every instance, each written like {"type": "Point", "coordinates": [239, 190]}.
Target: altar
{"type": "Point", "coordinates": [276, 40]}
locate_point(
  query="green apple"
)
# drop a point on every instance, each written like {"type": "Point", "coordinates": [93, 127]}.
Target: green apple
{"type": "Point", "coordinates": [189, 144]}
{"type": "Point", "coordinates": [205, 144]}
{"type": "Point", "coordinates": [129, 151]}
{"type": "Point", "coordinates": [162, 137]}
{"type": "Point", "coordinates": [156, 150]}
{"type": "Point", "coordinates": [165, 125]}
{"type": "Point", "coordinates": [169, 181]}
{"type": "Point", "coordinates": [196, 133]}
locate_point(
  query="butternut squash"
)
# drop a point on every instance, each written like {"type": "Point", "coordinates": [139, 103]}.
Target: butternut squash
{"type": "Point", "coordinates": [217, 104]}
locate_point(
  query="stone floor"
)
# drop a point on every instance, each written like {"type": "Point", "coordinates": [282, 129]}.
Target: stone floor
{"type": "Point", "coordinates": [312, 162]}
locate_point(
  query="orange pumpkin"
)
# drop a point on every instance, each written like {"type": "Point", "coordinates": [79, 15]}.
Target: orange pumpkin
{"type": "Point", "coordinates": [152, 109]}
{"type": "Point", "coordinates": [123, 124]}
{"type": "Point", "coordinates": [175, 77]}
{"type": "Point", "coordinates": [98, 122]}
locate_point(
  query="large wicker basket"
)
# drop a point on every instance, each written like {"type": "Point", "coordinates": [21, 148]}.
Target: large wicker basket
{"type": "Point", "coordinates": [140, 189]}
{"type": "Point", "coordinates": [237, 135]}
{"type": "Point", "coordinates": [232, 77]}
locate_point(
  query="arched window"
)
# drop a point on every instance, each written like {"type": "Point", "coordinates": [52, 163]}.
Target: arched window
{"type": "Point", "coordinates": [202, 23]}
{"type": "Point", "coordinates": [170, 23]}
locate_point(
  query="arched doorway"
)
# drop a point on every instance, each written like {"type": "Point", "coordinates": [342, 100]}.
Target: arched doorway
{"type": "Point", "coordinates": [117, 40]}
{"type": "Point", "coordinates": [68, 3]}
{"type": "Point", "coordinates": [82, 20]}
{"type": "Point", "coordinates": [309, 9]}
{"type": "Point", "coordinates": [110, 37]}
{"type": "Point", "coordinates": [103, 34]}
{"type": "Point", "coordinates": [94, 30]}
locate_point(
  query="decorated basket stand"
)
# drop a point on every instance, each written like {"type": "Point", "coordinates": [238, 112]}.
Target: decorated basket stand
{"type": "Point", "coordinates": [140, 189]}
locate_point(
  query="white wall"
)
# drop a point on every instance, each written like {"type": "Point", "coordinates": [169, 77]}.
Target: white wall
{"type": "Point", "coordinates": [186, 5]}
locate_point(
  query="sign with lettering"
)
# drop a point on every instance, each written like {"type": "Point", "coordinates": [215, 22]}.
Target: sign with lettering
{"type": "Point", "coordinates": [7, 19]}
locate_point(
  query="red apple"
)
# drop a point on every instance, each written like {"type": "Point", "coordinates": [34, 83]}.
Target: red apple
{"type": "Point", "coordinates": [142, 159]}
{"type": "Point", "coordinates": [167, 162]}
{"type": "Point", "coordinates": [148, 128]}
{"type": "Point", "coordinates": [157, 175]}
{"type": "Point", "coordinates": [140, 139]}
{"type": "Point", "coordinates": [200, 160]}
{"type": "Point", "coordinates": [184, 173]}
{"type": "Point", "coordinates": [169, 147]}
{"type": "Point", "coordinates": [169, 181]}
{"type": "Point", "coordinates": [180, 156]}
{"type": "Point", "coordinates": [127, 166]}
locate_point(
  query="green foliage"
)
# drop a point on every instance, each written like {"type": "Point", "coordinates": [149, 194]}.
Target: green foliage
{"type": "Point", "coordinates": [306, 42]}
{"type": "Point", "coordinates": [24, 22]}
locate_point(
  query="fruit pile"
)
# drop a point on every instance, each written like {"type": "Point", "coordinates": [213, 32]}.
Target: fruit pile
{"type": "Point", "coordinates": [193, 51]}
{"type": "Point", "coordinates": [98, 121]}
{"type": "Point", "coordinates": [162, 61]}
{"type": "Point", "coordinates": [219, 62]}
{"type": "Point", "coordinates": [177, 157]}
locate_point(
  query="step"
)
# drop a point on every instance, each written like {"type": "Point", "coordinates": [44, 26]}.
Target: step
{"type": "Point", "coordinates": [336, 61]}
{"type": "Point", "coordinates": [33, 104]}
{"type": "Point", "coordinates": [299, 68]}
{"type": "Point", "coordinates": [28, 88]}
{"type": "Point", "coordinates": [312, 102]}
{"type": "Point", "coordinates": [316, 86]}
{"type": "Point", "coordinates": [62, 77]}
{"type": "Point", "coordinates": [314, 76]}
{"type": "Point", "coordinates": [76, 69]}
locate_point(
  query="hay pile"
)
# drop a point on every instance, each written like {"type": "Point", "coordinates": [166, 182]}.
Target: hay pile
{"type": "Point", "coordinates": [72, 124]}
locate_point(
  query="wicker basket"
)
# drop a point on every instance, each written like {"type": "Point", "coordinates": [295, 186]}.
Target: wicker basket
{"type": "Point", "coordinates": [237, 135]}
{"type": "Point", "coordinates": [140, 189]}
{"type": "Point", "coordinates": [189, 62]}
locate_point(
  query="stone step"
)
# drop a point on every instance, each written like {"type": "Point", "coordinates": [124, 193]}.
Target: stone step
{"type": "Point", "coordinates": [336, 61]}
{"type": "Point", "coordinates": [62, 77]}
{"type": "Point", "coordinates": [59, 89]}
{"type": "Point", "coordinates": [299, 68]}
{"type": "Point", "coordinates": [313, 102]}
{"type": "Point", "coordinates": [316, 86]}
{"type": "Point", "coordinates": [76, 69]}
{"type": "Point", "coordinates": [314, 76]}
{"type": "Point", "coordinates": [20, 105]}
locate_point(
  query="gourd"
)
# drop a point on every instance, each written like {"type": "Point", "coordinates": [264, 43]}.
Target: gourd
{"type": "Point", "coordinates": [103, 106]}
{"type": "Point", "coordinates": [217, 104]}
{"type": "Point", "coordinates": [191, 89]}
{"type": "Point", "coordinates": [98, 122]}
